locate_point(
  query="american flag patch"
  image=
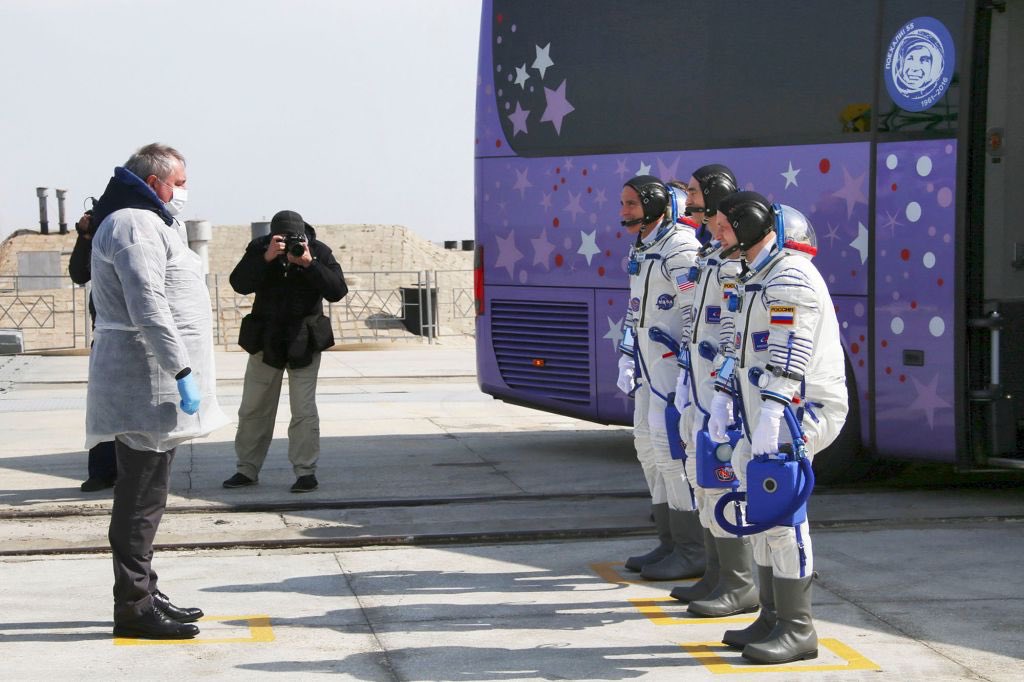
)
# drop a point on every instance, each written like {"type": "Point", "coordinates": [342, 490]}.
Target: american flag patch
{"type": "Point", "coordinates": [782, 314]}
{"type": "Point", "coordinates": [683, 283]}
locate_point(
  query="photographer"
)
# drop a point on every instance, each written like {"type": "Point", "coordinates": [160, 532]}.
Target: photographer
{"type": "Point", "coordinates": [291, 274]}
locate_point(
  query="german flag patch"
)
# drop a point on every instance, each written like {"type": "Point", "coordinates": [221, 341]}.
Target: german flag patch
{"type": "Point", "coordinates": [782, 314]}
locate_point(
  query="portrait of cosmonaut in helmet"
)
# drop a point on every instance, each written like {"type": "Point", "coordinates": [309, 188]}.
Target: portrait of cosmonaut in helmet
{"type": "Point", "coordinates": [918, 64]}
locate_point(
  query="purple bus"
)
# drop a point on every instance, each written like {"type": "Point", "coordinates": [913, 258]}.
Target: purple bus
{"type": "Point", "coordinates": [887, 122]}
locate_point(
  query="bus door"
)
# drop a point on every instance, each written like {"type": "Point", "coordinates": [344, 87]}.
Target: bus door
{"type": "Point", "coordinates": [996, 383]}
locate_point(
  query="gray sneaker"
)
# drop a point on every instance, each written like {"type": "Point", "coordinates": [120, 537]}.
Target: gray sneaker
{"type": "Point", "coordinates": [305, 484]}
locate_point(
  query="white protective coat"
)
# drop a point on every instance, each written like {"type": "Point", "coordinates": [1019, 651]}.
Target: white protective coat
{"type": "Point", "coordinates": [656, 301]}
{"type": "Point", "coordinates": [790, 288]}
{"type": "Point", "coordinates": [152, 320]}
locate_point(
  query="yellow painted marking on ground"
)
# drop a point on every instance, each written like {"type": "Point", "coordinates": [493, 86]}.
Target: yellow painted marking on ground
{"type": "Point", "coordinates": [658, 616]}
{"type": "Point", "coordinates": [259, 631]}
{"type": "Point", "coordinates": [705, 653]}
{"type": "Point", "coordinates": [609, 571]}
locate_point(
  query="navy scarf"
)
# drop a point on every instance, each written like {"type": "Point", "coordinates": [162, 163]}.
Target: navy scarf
{"type": "Point", "coordinates": [127, 190]}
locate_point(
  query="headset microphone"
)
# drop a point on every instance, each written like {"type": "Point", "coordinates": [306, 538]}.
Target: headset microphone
{"type": "Point", "coordinates": [631, 223]}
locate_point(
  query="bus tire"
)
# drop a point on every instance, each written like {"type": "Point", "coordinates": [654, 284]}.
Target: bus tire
{"type": "Point", "coordinates": [843, 461]}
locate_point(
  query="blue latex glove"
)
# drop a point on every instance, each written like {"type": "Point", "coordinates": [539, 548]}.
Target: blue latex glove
{"type": "Point", "coordinates": [188, 389]}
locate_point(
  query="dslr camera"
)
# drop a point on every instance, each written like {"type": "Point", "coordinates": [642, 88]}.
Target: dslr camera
{"type": "Point", "coordinates": [295, 245]}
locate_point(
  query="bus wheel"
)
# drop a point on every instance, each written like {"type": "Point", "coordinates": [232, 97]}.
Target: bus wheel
{"type": "Point", "coordinates": [843, 461]}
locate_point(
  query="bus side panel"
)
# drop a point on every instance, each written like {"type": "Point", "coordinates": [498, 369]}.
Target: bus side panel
{"type": "Point", "coordinates": [915, 305]}
{"type": "Point", "coordinates": [613, 406]}
{"type": "Point", "coordinates": [535, 347]}
{"type": "Point", "coordinates": [851, 311]}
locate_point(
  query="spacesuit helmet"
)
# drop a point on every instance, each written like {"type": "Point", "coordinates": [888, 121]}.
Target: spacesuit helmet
{"type": "Point", "coordinates": [751, 217]}
{"type": "Point", "coordinates": [798, 232]}
{"type": "Point", "coordinates": [716, 182]}
{"type": "Point", "coordinates": [653, 197]}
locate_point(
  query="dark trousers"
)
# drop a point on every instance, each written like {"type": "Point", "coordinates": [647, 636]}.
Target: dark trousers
{"type": "Point", "coordinates": [103, 461]}
{"type": "Point", "coordinates": [140, 496]}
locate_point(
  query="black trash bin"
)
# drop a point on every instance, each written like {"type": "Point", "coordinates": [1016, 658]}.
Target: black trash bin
{"type": "Point", "coordinates": [412, 300]}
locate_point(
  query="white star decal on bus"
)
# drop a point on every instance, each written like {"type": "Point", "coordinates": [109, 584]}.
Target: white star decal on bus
{"type": "Point", "coordinates": [620, 168]}
{"type": "Point", "coordinates": [833, 234]}
{"type": "Point", "coordinates": [542, 249]}
{"type": "Point", "coordinates": [891, 222]}
{"type": "Point", "coordinates": [614, 332]}
{"type": "Point", "coordinates": [543, 60]}
{"type": "Point", "coordinates": [851, 191]}
{"type": "Point", "coordinates": [508, 254]}
{"type": "Point", "coordinates": [588, 245]}
{"type": "Point", "coordinates": [668, 173]}
{"type": "Point", "coordinates": [600, 198]}
{"type": "Point", "coordinates": [558, 107]}
{"type": "Point", "coordinates": [790, 176]}
{"type": "Point", "coordinates": [861, 242]}
{"type": "Point", "coordinates": [545, 201]}
{"type": "Point", "coordinates": [522, 182]}
{"type": "Point", "coordinates": [518, 118]}
{"type": "Point", "coordinates": [645, 169]}
{"type": "Point", "coordinates": [574, 205]}
{"type": "Point", "coordinates": [521, 76]}
{"type": "Point", "coordinates": [928, 399]}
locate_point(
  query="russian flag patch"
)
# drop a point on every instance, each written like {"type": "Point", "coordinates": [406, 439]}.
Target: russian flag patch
{"type": "Point", "coordinates": [782, 314]}
{"type": "Point", "coordinates": [683, 283]}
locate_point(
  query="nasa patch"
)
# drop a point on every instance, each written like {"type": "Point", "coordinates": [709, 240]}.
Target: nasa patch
{"type": "Point", "coordinates": [634, 304]}
{"type": "Point", "coordinates": [760, 340]}
{"type": "Point", "coordinates": [666, 301]}
{"type": "Point", "coordinates": [713, 314]}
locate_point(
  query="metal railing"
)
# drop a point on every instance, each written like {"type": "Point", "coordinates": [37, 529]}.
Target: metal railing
{"type": "Point", "coordinates": [393, 306]}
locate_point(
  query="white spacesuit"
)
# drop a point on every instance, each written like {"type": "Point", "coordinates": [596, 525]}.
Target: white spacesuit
{"type": "Point", "coordinates": [660, 297]}
{"type": "Point", "coordinates": [786, 327]}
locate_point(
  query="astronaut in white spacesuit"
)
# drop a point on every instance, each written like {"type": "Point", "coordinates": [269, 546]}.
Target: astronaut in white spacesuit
{"type": "Point", "coordinates": [659, 304]}
{"type": "Point", "coordinates": [727, 586]}
{"type": "Point", "coordinates": [786, 327]}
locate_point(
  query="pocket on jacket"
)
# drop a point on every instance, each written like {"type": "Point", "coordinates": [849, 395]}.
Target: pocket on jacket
{"type": "Point", "coordinates": [250, 334]}
{"type": "Point", "coordinates": [323, 333]}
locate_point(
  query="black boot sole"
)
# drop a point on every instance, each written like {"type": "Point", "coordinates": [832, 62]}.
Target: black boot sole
{"type": "Point", "coordinates": [130, 633]}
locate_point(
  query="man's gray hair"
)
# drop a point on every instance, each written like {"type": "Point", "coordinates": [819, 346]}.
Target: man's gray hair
{"type": "Point", "coordinates": [154, 159]}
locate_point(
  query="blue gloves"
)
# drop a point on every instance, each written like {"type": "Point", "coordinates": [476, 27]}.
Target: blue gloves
{"type": "Point", "coordinates": [188, 389]}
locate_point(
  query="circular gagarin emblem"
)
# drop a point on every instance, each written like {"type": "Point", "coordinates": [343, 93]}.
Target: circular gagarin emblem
{"type": "Point", "coordinates": [919, 64]}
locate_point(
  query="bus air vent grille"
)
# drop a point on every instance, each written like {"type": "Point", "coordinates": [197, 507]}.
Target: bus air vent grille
{"type": "Point", "coordinates": [557, 334]}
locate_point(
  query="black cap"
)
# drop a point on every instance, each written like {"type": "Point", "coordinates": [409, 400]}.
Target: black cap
{"type": "Point", "coordinates": [287, 222]}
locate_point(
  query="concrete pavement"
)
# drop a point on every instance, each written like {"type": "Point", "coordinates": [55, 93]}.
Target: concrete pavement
{"type": "Point", "coordinates": [402, 566]}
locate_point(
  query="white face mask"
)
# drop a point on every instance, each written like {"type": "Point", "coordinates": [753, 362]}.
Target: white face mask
{"type": "Point", "coordinates": [179, 196]}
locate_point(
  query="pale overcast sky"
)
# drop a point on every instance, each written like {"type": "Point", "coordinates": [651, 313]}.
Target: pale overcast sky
{"type": "Point", "coordinates": [348, 111]}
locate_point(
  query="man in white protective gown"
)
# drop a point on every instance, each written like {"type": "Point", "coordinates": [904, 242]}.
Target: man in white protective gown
{"type": "Point", "coordinates": [787, 331]}
{"type": "Point", "coordinates": [659, 308]}
{"type": "Point", "coordinates": [152, 383]}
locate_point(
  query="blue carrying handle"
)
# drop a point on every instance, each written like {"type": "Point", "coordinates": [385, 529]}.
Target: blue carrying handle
{"type": "Point", "coordinates": [799, 455]}
{"type": "Point", "coordinates": [753, 529]}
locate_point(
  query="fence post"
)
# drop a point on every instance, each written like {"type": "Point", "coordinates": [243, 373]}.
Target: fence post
{"type": "Point", "coordinates": [431, 283]}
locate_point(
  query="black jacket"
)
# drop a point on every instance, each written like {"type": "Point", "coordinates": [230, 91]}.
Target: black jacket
{"type": "Point", "coordinates": [287, 321]}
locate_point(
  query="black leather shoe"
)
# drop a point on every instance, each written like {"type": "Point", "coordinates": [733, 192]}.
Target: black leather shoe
{"type": "Point", "coordinates": [94, 483]}
{"type": "Point", "coordinates": [182, 615]}
{"type": "Point", "coordinates": [305, 484]}
{"type": "Point", "coordinates": [240, 481]}
{"type": "Point", "coordinates": [153, 624]}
